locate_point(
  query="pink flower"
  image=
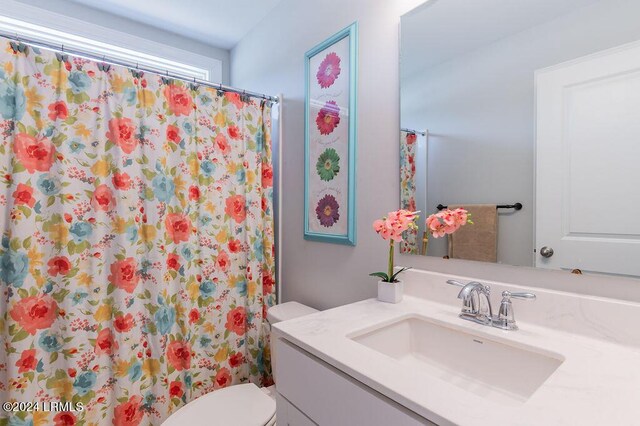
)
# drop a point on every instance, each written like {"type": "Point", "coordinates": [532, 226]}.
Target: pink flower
{"type": "Point", "coordinates": [34, 154]}
{"type": "Point", "coordinates": [124, 274]}
{"type": "Point", "coordinates": [179, 355]}
{"type": "Point", "coordinates": [128, 413]}
{"type": "Point", "coordinates": [235, 207]}
{"type": "Point", "coordinates": [179, 99]}
{"type": "Point", "coordinates": [178, 227]}
{"type": "Point", "coordinates": [122, 133]}
{"type": "Point", "coordinates": [329, 70]}
{"type": "Point", "coordinates": [103, 199]}
{"type": "Point", "coordinates": [222, 143]}
{"type": "Point", "coordinates": [447, 222]}
{"type": "Point", "coordinates": [27, 361]}
{"type": "Point", "coordinates": [328, 118]}
{"type": "Point", "coordinates": [173, 133]}
{"type": "Point", "coordinates": [237, 320]}
{"type": "Point", "coordinates": [35, 313]}
{"type": "Point", "coordinates": [396, 222]}
{"type": "Point", "coordinates": [58, 110]}
{"type": "Point", "coordinates": [222, 379]}
{"type": "Point", "coordinates": [234, 98]}
{"type": "Point", "coordinates": [24, 195]}
{"type": "Point", "coordinates": [105, 342]}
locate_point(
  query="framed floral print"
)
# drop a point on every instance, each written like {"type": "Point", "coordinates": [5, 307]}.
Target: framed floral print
{"type": "Point", "coordinates": [330, 139]}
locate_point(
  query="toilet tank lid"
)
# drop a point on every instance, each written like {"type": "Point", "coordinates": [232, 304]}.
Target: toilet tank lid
{"type": "Point", "coordinates": [288, 310]}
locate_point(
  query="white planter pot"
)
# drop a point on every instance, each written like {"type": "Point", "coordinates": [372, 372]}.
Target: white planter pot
{"type": "Point", "coordinates": [390, 292]}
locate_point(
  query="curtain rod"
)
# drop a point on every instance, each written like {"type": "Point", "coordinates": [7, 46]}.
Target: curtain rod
{"type": "Point", "coordinates": [420, 132]}
{"type": "Point", "coordinates": [167, 74]}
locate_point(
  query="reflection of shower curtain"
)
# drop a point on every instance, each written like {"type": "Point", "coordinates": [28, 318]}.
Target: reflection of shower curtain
{"type": "Point", "coordinates": [408, 187]}
{"type": "Point", "coordinates": [136, 262]}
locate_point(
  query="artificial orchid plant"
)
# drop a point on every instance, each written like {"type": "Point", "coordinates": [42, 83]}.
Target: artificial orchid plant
{"type": "Point", "coordinates": [391, 228]}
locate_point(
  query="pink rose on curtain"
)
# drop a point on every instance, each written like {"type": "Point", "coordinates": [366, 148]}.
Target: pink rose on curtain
{"type": "Point", "coordinates": [58, 111]}
{"type": "Point", "coordinates": [178, 227]}
{"type": "Point", "coordinates": [179, 99]}
{"type": "Point", "coordinates": [328, 118]}
{"type": "Point", "coordinates": [173, 133]}
{"type": "Point", "coordinates": [222, 143]}
{"type": "Point", "coordinates": [124, 274]}
{"type": "Point", "coordinates": [105, 343]}
{"type": "Point", "coordinates": [234, 132]}
{"type": "Point", "coordinates": [329, 70]}
{"type": "Point", "coordinates": [123, 323]}
{"type": "Point", "coordinates": [179, 355]}
{"type": "Point", "coordinates": [234, 98]}
{"type": "Point", "coordinates": [129, 413]}
{"type": "Point", "coordinates": [222, 379]}
{"type": "Point", "coordinates": [65, 418]}
{"type": "Point", "coordinates": [176, 389]}
{"type": "Point", "coordinates": [103, 199]}
{"type": "Point", "coordinates": [27, 361]}
{"type": "Point", "coordinates": [235, 207]}
{"type": "Point", "coordinates": [223, 262]}
{"type": "Point", "coordinates": [121, 181]}
{"type": "Point", "coordinates": [34, 154]}
{"type": "Point", "coordinates": [173, 261]}
{"type": "Point", "coordinates": [122, 133]}
{"type": "Point", "coordinates": [35, 313]}
{"type": "Point", "coordinates": [24, 195]}
{"type": "Point", "coordinates": [237, 321]}
{"type": "Point", "coordinates": [59, 265]}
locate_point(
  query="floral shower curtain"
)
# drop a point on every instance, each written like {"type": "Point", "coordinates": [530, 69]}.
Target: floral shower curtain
{"type": "Point", "coordinates": [136, 262]}
{"type": "Point", "coordinates": [409, 244]}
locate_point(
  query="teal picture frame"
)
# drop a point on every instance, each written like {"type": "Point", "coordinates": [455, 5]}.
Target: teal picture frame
{"type": "Point", "coordinates": [348, 237]}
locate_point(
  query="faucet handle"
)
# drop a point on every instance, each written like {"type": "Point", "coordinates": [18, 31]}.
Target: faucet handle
{"type": "Point", "coordinates": [455, 282]}
{"type": "Point", "coordinates": [524, 296]}
{"type": "Point", "coordinates": [506, 319]}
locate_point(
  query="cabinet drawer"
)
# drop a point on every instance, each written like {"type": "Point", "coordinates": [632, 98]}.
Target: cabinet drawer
{"type": "Point", "coordinates": [331, 398]}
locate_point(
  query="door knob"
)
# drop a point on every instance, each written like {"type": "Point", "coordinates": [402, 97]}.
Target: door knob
{"type": "Point", "coordinates": [546, 252]}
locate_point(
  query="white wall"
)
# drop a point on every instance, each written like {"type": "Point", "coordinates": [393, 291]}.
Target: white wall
{"type": "Point", "coordinates": [84, 21]}
{"type": "Point", "coordinates": [270, 59]}
{"type": "Point", "coordinates": [479, 109]}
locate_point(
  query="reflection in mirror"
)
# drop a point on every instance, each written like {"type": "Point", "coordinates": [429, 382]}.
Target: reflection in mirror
{"type": "Point", "coordinates": [524, 114]}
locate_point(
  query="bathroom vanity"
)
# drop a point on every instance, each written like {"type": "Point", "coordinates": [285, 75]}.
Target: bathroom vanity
{"type": "Point", "coordinates": [571, 362]}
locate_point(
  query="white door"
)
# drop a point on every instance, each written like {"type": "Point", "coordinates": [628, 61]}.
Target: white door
{"type": "Point", "coordinates": [588, 163]}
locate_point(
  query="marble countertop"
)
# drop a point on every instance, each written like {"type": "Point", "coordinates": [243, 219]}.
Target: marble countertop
{"type": "Point", "coordinates": [597, 383]}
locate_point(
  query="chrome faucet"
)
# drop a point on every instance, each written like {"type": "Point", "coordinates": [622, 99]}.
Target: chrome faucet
{"type": "Point", "coordinates": [476, 305]}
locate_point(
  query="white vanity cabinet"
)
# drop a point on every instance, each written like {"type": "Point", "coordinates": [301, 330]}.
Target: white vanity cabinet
{"type": "Point", "coordinates": [312, 392]}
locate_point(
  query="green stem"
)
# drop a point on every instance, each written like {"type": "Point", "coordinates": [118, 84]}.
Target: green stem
{"type": "Point", "coordinates": [390, 272]}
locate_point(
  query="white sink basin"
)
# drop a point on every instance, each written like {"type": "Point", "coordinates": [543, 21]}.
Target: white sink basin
{"type": "Point", "coordinates": [502, 371]}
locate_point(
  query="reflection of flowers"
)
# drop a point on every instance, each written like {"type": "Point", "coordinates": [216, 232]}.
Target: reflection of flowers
{"type": "Point", "coordinates": [329, 70]}
{"type": "Point", "coordinates": [447, 222]}
{"type": "Point", "coordinates": [327, 211]}
{"type": "Point", "coordinates": [328, 118]}
{"type": "Point", "coordinates": [328, 164]}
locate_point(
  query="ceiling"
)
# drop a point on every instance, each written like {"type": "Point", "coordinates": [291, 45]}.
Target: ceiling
{"type": "Point", "coordinates": [221, 23]}
{"type": "Point", "coordinates": [440, 30]}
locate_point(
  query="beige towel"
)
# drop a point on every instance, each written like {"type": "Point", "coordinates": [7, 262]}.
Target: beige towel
{"type": "Point", "coordinates": [480, 240]}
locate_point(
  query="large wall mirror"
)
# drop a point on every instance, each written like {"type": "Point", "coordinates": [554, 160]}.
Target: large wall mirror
{"type": "Point", "coordinates": [525, 113]}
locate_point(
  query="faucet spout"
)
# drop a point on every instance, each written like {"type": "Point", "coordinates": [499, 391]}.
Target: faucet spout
{"type": "Point", "coordinates": [480, 311]}
{"type": "Point", "coordinates": [466, 291]}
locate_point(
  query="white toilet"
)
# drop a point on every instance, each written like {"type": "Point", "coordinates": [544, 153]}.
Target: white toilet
{"type": "Point", "coordinates": [239, 405]}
